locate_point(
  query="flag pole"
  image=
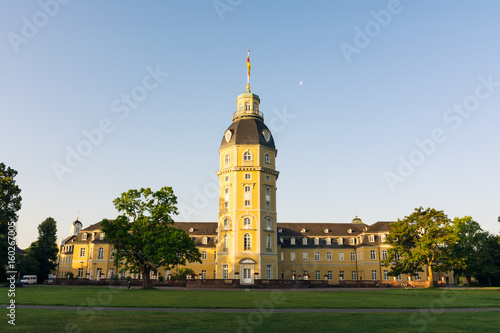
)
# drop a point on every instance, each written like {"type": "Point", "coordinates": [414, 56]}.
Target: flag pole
{"type": "Point", "coordinates": [248, 75]}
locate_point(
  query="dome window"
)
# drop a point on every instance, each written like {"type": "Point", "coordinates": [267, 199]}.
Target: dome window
{"type": "Point", "coordinates": [247, 106]}
{"type": "Point", "coordinates": [267, 158]}
{"type": "Point", "coordinates": [247, 156]}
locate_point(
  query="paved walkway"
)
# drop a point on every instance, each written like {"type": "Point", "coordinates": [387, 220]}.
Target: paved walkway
{"type": "Point", "coordinates": [78, 308]}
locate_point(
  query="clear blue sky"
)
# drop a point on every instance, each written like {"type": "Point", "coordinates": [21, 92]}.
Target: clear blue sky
{"type": "Point", "coordinates": [346, 89]}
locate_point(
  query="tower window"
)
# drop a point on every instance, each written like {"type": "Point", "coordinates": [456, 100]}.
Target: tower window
{"type": "Point", "coordinates": [247, 156]}
{"type": "Point", "coordinates": [269, 248]}
{"type": "Point", "coordinates": [267, 158]}
{"type": "Point", "coordinates": [226, 223]}
{"type": "Point", "coordinates": [247, 189]}
{"type": "Point", "coordinates": [255, 106]}
{"type": "Point", "coordinates": [227, 159]}
{"type": "Point", "coordinates": [248, 176]}
{"type": "Point", "coordinates": [268, 223]}
{"type": "Point", "coordinates": [247, 106]}
{"type": "Point", "coordinates": [247, 223]}
{"type": "Point", "coordinates": [247, 242]}
{"type": "Point", "coordinates": [268, 179]}
{"type": "Point", "coordinates": [226, 179]}
{"type": "Point", "coordinates": [225, 243]}
{"type": "Point", "coordinates": [247, 203]}
{"type": "Point", "coordinates": [240, 106]}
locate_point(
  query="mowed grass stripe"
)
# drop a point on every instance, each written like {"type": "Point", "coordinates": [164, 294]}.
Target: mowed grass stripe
{"type": "Point", "coordinates": [40, 321]}
{"type": "Point", "coordinates": [350, 299]}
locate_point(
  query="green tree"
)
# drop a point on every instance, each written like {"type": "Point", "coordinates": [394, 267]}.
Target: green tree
{"type": "Point", "coordinates": [488, 265]}
{"type": "Point", "coordinates": [143, 235]}
{"type": "Point", "coordinates": [26, 264]}
{"type": "Point", "coordinates": [10, 204]}
{"type": "Point", "coordinates": [421, 239]}
{"type": "Point", "coordinates": [44, 250]}
{"type": "Point", "coordinates": [469, 246]}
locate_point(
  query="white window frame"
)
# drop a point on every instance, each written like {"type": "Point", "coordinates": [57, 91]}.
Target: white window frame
{"type": "Point", "coordinates": [373, 255]}
{"type": "Point", "coordinates": [353, 275]}
{"type": "Point", "coordinates": [293, 256]}
{"type": "Point", "coordinates": [204, 255]}
{"type": "Point", "coordinates": [341, 256]}
{"type": "Point", "coordinates": [100, 253]}
{"type": "Point", "coordinates": [328, 256]}
{"type": "Point", "coordinates": [247, 242]}
{"type": "Point", "coordinates": [269, 247]}
{"type": "Point", "coordinates": [83, 252]}
{"type": "Point", "coordinates": [374, 275]}
{"type": "Point", "coordinates": [269, 271]}
{"type": "Point", "coordinates": [247, 156]}
{"type": "Point", "coordinates": [225, 271]}
{"type": "Point", "coordinates": [341, 276]}
{"type": "Point", "coordinates": [371, 238]}
{"type": "Point", "coordinates": [316, 256]}
{"type": "Point", "coordinates": [305, 256]}
{"type": "Point", "coordinates": [384, 254]}
{"type": "Point", "coordinates": [353, 256]}
{"type": "Point", "coordinates": [330, 275]}
{"type": "Point", "coordinates": [318, 275]}
{"type": "Point", "coordinates": [386, 274]}
{"type": "Point", "coordinates": [247, 222]}
{"type": "Point", "coordinates": [267, 158]}
{"type": "Point", "coordinates": [248, 176]}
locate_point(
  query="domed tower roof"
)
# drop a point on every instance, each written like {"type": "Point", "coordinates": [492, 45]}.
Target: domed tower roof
{"type": "Point", "coordinates": [357, 220]}
{"type": "Point", "coordinates": [248, 131]}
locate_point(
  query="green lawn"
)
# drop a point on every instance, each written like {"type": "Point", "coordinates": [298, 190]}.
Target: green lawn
{"type": "Point", "coordinates": [351, 299]}
{"type": "Point", "coordinates": [72, 321]}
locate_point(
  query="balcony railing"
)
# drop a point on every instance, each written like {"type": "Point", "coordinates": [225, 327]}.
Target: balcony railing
{"type": "Point", "coordinates": [247, 113]}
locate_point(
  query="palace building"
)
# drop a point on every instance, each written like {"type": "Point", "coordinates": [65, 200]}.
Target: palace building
{"type": "Point", "coordinates": [247, 242]}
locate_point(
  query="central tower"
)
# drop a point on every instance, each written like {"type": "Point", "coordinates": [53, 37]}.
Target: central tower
{"type": "Point", "coordinates": [247, 233]}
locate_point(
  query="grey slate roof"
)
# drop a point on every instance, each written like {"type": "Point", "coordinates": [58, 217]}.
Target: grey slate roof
{"type": "Point", "coordinates": [248, 131]}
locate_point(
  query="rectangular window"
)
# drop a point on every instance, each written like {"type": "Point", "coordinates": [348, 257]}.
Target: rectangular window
{"type": "Point", "coordinates": [292, 241]}
{"type": "Point", "coordinates": [84, 236]}
{"type": "Point", "coordinates": [305, 256]}
{"type": "Point", "coordinates": [203, 255]}
{"type": "Point", "coordinates": [226, 179]}
{"type": "Point", "coordinates": [374, 275]}
{"type": "Point", "coordinates": [248, 189]}
{"type": "Point", "coordinates": [82, 252]}
{"type": "Point", "coordinates": [371, 238]}
{"type": "Point", "coordinates": [384, 254]}
{"type": "Point", "coordinates": [102, 236]}
{"type": "Point", "coordinates": [269, 271]}
{"type": "Point", "coordinates": [328, 256]}
{"type": "Point", "coordinates": [80, 272]}
{"type": "Point", "coordinates": [417, 276]}
{"type": "Point", "coordinates": [225, 271]}
{"type": "Point", "coordinates": [341, 256]}
{"type": "Point", "coordinates": [399, 277]}
{"type": "Point", "coordinates": [247, 203]}
{"type": "Point", "coordinates": [318, 275]}
{"type": "Point", "coordinates": [98, 273]}
{"type": "Point", "coordinates": [282, 256]}
{"type": "Point", "coordinates": [203, 274]}
{"type": "Point", "coordinates": [248, 176]}
{"type": "Point", "coordinates": [360, 255]}
{"type": "Point", "coordinates": [386, 274]}
{"type": "Point", "coordinates": [341, 276]}
{"type": "Point", "coordinates": [372, 255]}
{"type": "Point", "coordinates": [316, 256]}
{"type": "Point", "coordinates": [111, 273]}
{"type": "Point", "coordinates": [215, 255]}
{"type": "Point", "coordinates": [292, 256]}
{"type": "Point", "coordinates": [268, 205]}
{"type": "Point", "coordinates": [268, 179]}
{"type": "Point", "coordinates": [294, 273]}
{"type": "Point", "coordinates": [122, 273]}
{"type": "Point", "coordinates": [330, 276]}
{"type": "Point", "coordinates": [353, 275]}
{"type": "Point", "coordinates": [226, 204]}
{"type": "Point", "coordinates": [353, 256]}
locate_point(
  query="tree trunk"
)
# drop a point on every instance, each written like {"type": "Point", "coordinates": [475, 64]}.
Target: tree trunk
{"type": "Point", "coordinates": [146, 281]}
{"type": "Point", "coordinates": [489, 281]}
{"type": "Point", "coordinates": [431, 276]}
{"type": "Point", "coordinates": [469, 280]}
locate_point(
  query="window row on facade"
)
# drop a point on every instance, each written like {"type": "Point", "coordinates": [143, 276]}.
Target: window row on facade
{"type": "Point", "coordinates": [352, 254]}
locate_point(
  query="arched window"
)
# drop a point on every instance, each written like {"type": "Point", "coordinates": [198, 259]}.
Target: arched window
{"type": "Point", "coordinates": [226, 223]}
{"type": "Point", "coordinates": [247, 156]}
{"type": "Point", "coordinates": [255, 107]}
{"type": "Point", "coordinates": [269, 248]}
{"type": "Point", "coordinates": [247, 242]}
{"type": "Point", "coordinates": [328, 241]}
{"type": "Point", "coordinates": [204, 240]}
{"type": "Point", "coordinates": [268, 223]}
{"type": "Point", "coordinates": [100, 253]}
{"type": "Point", "coordinates": [225, 243]}
{"type": "Point", "coordinates": [247, 106]}
{"type": "Point", "coordinates": [227, 159]}
{"type": "Point", "coordinates": [267, 158]}
{"type": "Point", "coordinates": [247, 223]}
{"type": "Point", "coordinates": [240, 106]}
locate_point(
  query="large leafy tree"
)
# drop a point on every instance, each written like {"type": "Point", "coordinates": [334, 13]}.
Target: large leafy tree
{"type": "Point", "coordinates": [488, 265]}
{"type": "Point", "coordinates": [143, 235]}
{"type": "Point", "coordinates": [10, 204]}
{"type": "Point", "coordinates": [421, 239]}
{"type": "Point", "coordinates": [44, 250]}
{"type": "Point", "coordinates": [468, 249]}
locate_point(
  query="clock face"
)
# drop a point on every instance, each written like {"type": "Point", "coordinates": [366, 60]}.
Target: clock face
{"type": "Point", "coordinates": [267, 135]}
{"type": "Point", "coordinates": [228, 135]}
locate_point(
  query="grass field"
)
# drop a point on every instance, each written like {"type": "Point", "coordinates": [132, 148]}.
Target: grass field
{"type": "Point", "coordinates": [93, 319]}
{"type": "Point", "coordinates": [39, 321]}
{"type": "Point", "coordinates": [350, 299]}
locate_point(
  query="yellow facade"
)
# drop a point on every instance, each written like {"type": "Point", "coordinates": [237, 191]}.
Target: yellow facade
{"type": "Point", "coordinates": [247, 242]}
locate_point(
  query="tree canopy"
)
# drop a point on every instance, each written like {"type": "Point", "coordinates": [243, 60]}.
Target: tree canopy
{"type": "Point", "coordinates": [422, 238]}
{"type": "Point", "coordinates": [10, 204]}
{"type": "Point", "coordinates": [45, 249]}
{"type": "Point", "coordinates": [144, 237]}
